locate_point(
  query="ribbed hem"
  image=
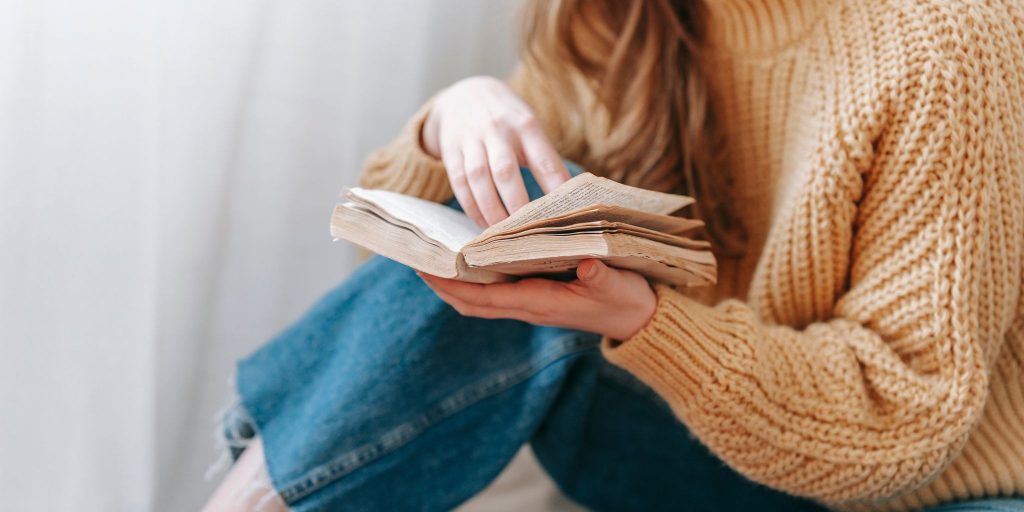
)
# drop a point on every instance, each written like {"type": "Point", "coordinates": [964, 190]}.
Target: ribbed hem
{"type": "Point", "coordinates": [671, 353]}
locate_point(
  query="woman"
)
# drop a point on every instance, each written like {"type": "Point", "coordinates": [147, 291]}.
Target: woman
{"type": "Point", "coordinates": [860, 167]}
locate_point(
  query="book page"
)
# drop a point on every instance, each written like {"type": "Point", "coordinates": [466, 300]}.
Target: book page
{"type": "Point", "coordinates": [654, 222]}
{"type": "Point", "coordinates": [588, 190]}
{"type": "Point", "coordinates": [596, 226]}
{"type": "Point", "coordinates": [450, 227]}
{"type": "Point", "coordinates": [364, 227]}
{"type": "Point", "coordinates": [663, 224]}
{"type": "Point", "coordinates": [651, 268]}
{"type": "Point", "coordinates": [556, 255]}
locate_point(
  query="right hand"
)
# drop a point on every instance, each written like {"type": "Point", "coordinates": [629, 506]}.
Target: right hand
{"type": "Point", "coordinates": [483, 132]}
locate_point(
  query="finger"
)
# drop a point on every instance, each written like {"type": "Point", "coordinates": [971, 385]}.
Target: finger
{"type": "Point", "coordinates": [537, 297]}
{"type": "Point", "coordinates": [501, 156]}
{"type": "Point", "coordinates": [478, 173]}
{"type": "Point", "coordinates": [469, 293]}
{"type": "Point", "coordinates": [466, 308]}
{"type": "Point", "coordinates": [545, 164]}
{"type": "Point", "coordinates": [597, 276]}
{"type": "Point", "coordinates": [452, 159]}
{"type": "Point", "coordinates": [528, 294]}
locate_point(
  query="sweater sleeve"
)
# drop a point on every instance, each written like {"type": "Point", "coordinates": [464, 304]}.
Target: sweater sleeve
{"type": "Point", "coordinates": [875, 396]}
{"type": "Point", "coordinates": [404, 166]}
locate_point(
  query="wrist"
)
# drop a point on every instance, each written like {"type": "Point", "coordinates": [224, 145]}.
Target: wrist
{"type": "Point", "coordinates": [639, 318]}
{"type": "Point", "coordinates": [644, 313]}
{"type": "Point", "coordinates": [429, 138]}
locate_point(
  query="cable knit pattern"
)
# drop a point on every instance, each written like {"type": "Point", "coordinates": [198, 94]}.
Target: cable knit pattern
{"type": "Point", "coordinates": [868, 350]}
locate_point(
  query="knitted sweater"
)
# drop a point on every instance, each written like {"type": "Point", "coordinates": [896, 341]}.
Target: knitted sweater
{"type": "Point", "coordinates": [868, 349]}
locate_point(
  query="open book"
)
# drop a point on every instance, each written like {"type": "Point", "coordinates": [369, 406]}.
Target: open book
{"type": "Point", "coordinates": [585, 217]}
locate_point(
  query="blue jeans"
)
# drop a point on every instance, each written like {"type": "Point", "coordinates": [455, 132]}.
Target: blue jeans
{"type": "Point", "coordinates": [382, 397]}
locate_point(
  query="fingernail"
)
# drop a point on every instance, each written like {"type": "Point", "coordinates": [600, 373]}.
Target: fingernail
{"type": "Point", "coordinates": [588, 273]}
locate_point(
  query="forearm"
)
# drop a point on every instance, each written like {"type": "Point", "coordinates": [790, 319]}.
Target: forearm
{"type": "Point", "coordinates": [828, 412]}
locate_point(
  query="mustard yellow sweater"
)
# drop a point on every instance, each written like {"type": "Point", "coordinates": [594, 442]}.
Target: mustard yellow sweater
{"type": "Point", "coordinates": [868, 350]}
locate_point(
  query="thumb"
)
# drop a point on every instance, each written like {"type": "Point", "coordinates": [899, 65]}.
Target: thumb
{"type": "Point", "coordinates": [596, 275]}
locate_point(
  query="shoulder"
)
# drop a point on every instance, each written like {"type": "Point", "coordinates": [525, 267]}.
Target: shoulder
{"type": "Point", "coordinates": [908, 48]}
{"type": "Point", "coordinates": [957, 12]}
{"type": "Point", "coordinates": [953, 93]}
{"type": "Point", "coordinates": [928, 49]}
{"type": "Point", "coordinates": [946, 28]}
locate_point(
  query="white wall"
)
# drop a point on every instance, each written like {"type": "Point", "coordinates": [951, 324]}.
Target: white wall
{"type": "Point", "coordinates": [167, 168]}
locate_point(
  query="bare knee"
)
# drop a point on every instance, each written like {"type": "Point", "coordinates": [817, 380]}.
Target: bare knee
{"type": "Point", "coordinates": [247, 486]}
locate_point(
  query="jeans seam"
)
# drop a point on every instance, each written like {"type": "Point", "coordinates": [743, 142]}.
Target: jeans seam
{"type": "Point", "coordinates": [401, 435]}
{"type": "Point", "coordinates": [995, 505]}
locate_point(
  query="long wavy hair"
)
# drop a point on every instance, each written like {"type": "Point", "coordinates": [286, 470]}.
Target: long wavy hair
{"type": "Point", "coordinates": [641, 61]}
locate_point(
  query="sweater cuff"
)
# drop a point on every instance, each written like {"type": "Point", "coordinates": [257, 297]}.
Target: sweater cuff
{"type": "Point", "coordinates": [680, 353]}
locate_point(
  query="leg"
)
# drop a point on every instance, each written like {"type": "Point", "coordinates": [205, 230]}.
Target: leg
{"type": "Point", "coordinates": [247, 486]}
{"type": "Point", "coordinates": [611, 444]}
{"type": "Point", "coordinates": [983, 505]}
{"type": "Point", "coordinates": [381, 366]}
{"type": "Point", "coordinates": [382, 383]}
{"type": "Point", "coordinates": [383, 398]}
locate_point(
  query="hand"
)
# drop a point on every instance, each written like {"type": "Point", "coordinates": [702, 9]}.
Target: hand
{"type": "Point", "coordinates": [483, 132]}
{"type": "Point", "coordinates": [612, 302]}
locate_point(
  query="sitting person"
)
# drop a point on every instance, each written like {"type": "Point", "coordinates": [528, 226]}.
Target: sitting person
{"type": "Point", "coordinates": [860, 168]}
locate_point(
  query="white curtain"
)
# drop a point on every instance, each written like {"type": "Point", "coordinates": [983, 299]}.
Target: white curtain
{"type": "Point", "coordinates": [167, 169]}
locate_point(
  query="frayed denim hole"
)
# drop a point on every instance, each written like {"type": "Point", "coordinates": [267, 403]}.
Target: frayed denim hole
{"type": "Point", "coordinates": [233, 432]}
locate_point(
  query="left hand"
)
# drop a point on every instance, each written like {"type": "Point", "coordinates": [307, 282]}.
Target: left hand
{"type": "Point", "coordinates": [612, 302]}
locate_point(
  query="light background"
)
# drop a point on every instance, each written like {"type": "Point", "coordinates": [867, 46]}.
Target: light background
{"type": "Point", "coordinates": [167, 170]}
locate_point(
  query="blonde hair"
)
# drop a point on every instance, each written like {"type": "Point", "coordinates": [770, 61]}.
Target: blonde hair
{"type": "Point", "coordinates": [640, 59]}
